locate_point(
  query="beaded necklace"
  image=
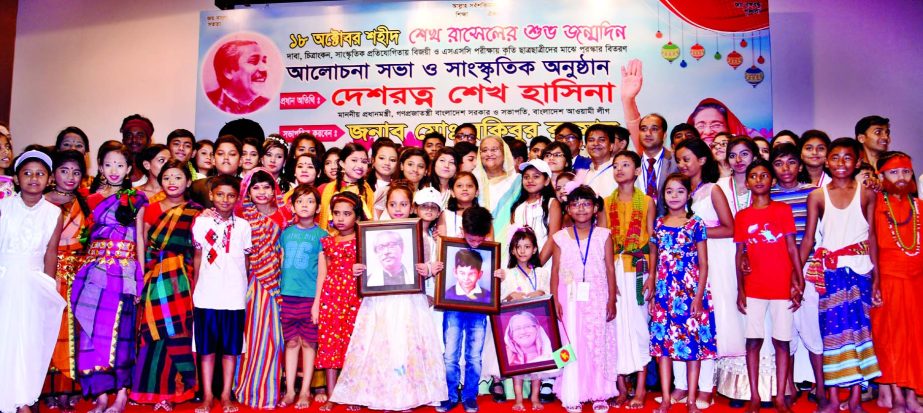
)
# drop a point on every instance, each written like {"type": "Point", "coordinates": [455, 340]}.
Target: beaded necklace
{"type": "Point", "coordinates": [914, 247]}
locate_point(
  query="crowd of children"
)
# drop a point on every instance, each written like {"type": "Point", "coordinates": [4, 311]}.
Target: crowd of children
{"type": "Point", "coordinates": [724, 264]}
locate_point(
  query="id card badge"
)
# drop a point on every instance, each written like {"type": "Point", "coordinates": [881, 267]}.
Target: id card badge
{"type": "Point", "coordinates": [583, 291]}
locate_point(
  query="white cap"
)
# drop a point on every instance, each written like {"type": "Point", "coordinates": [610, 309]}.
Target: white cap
{"type": "Point", "coordinates": [539, 164]}
{"type": "Point", "coordinates": [428, 195]}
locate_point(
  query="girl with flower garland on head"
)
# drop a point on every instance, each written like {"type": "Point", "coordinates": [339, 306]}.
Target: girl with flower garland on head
{"type": "Point", "coordinates": [393, 349]}
{"type": "Point", "coordinates": [69, 171]}
{"type": "Point", "coordinates": [694, 160]}
{"type": "Point", "coordinates": [682, 321]}
{"type": "Point", "coordinates": [30, 308]}
{"type": "Point", "coordinates": [165, 373]}
{"type": "Point", "coordinates": [384, 165]}
{"type": "Point", "coordinates": [107, 287]}
{"type": "Point", "coordinates": [526, 279]}
{"type": "Point", "coordinates": [275, 154]}
{"type": "Point", "coordinates": [629, 214]}
{"type": "Point", "coordinates": [335, 310]}
{"type": "Point", "coordinates": [6, 161]}
{"type": "Point", "coordinates": [353, 165]}
{"type": "Point", "coordinates": [583, 284]}
{"type": "Point", "coordinates": [258, 375]}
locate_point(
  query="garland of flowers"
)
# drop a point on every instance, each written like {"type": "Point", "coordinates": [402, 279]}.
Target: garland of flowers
{"type": "Point", "coordinates": [914, 247]}
{"type": "Point", "coordinates": [632, 243]}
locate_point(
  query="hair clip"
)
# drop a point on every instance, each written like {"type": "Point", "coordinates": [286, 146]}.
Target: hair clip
{"type": "Point", "coordinates": [278, 139]}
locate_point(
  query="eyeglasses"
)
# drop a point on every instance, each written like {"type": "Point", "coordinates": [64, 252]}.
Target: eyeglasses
{"type": "Point", "coordinates": [581, 205]}
{"type": "Point", "coordinates": [467, 137]}
{"type": "Point", "coordinates": [555, 155]}
{"type": "Point", "coordinates": [429, 206]}
{"type": "Point", "coordinates": [569, 138]}
{"type": "Point", "coordinates": [719, 144]}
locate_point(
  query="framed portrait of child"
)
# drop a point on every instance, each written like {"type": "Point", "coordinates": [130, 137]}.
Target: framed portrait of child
{"type": "Point", "coordinates": [526, 336]}
{"type": "Point", "coordinates": [468, 282]}
{"type": "Point", "coordinates": [390, 251]}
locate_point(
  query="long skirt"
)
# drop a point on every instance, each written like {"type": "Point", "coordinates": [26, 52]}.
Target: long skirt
{"type": "Point", "coordinates": [845, 325]}
{"type": "Point", "coordinates": [258, 373]}
{"type": "Point", "coordinates": [105, 360]}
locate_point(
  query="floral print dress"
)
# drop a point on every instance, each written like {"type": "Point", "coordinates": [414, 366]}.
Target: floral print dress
{"type": "Point", "coordinates": [674, 332]}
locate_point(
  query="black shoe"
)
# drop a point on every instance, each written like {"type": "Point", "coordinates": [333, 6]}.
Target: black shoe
{"type": "Point", "coordinates": [446, 406]}
{"type": "Point", "coordinates": [497, 391]}
{"type": "Point", "coordinates": [737, 404]}
{"type": "Point", "coordinates": [546, 394]}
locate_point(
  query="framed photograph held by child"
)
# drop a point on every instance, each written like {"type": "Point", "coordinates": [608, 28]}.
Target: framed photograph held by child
{"type": "Point", "coordinates": [526, 336]}
{"type": "Point", "coordinates": [390, 251]}
{"type": "Point", "coordinates": [468, 282]}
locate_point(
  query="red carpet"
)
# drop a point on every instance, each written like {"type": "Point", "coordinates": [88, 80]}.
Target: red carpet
{"type": "Point", "coordinates": [803, 405]}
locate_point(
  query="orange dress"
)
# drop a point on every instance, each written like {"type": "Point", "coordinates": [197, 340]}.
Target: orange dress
{"type": "Point", "coordinates": [896, 324]}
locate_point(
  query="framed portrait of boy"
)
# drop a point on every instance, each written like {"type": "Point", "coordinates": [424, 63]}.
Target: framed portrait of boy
{"type": "Point", "coordinates": [526, 336]}
{"type": "Point", "coordinates": [468, 282]}
{"type": "Point", "coordinates": [390, 251]}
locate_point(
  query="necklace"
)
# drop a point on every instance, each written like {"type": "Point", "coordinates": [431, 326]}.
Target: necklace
{"type": "Point", "coordinates": [62, 193]}
{"type": "Point", "coordinates": [893, 225]}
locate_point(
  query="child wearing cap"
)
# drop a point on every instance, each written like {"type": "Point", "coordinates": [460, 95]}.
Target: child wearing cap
{"type": "Point", "coordinates": [394, 349]}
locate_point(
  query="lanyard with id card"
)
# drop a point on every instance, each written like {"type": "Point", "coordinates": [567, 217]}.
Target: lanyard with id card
{"type": "Point", "coordinates": [583, 287]}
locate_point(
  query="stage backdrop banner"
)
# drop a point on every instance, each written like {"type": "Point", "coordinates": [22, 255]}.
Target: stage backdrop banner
{"type": "Point", "coordinates": [355, 71]}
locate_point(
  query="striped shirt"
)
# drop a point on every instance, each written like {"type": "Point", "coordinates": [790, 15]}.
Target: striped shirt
{"type": "Point", "coordinates": [797, 198]}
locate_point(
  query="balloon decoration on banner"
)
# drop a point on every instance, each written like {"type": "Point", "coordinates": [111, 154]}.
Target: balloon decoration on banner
{"type": "Point", "coordinates": [669, 51]}
{"type": "Point", "coordinates": [697, 51]}
{"type": "Point", "coordinates": [761, 59]}
{"type": "Point", "coordinates": [734, 59]}
{"type": "Point", "coordinates": [743, 42]}
{"type": "Point", "coordinates": [717, 47]}
{"type": "Point", "coordinates": [682, 37]}
{"type": "Point", "coordinates": [754, 75]}
{"type": "Point", "coordinates": [659, 34]}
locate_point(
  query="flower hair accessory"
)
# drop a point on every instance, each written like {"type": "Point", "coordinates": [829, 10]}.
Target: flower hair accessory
{"type": "Point", "coordinates": [279, 140]}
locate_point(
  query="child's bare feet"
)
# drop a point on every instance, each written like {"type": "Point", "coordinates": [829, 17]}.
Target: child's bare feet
{"type": "Point", "coordinates": [206, 406]}
{"type": "Point", "coordinates": [101, 402]}
{"type": "Point", "coordinates": [536, 403]}
{"type": "Point", "coordinates": [692, 407]}
{"type": "Point", "coordinates": [519, 407]}
{"type": "Point", "coordinates": [619, 400]}
{"type": "Point", "coordinates": [304, 401]}
{"type": "Point", "coordinates": [857, 409]}
{"type": "Point", "coordinates": [287, 400]}
{"type": "Point", "coordinates": [327, 406]}
{"type": "Point", "coordinates": [752, 406]}
{"type": "Point", "coordinates": [913, 405]}
{"type": "Point", "coordinates": [781, 405]}
{"type": "Point", "coordinates": [884, 396]}
{"type": "Point", "coordinates": [664, 407]}
{"type": "Point", "coordinates": [227, 406]}
{"type": "Point", "coordinates": [118, 406]}
{"type": "Point", "coordinates": [827, 406]}
{"type": "Point", "coordinates": [353, 408]}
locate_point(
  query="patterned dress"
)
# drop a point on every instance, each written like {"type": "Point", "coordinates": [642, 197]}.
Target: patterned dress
{"type": "Point", "coordinates": [674, 333]}
{"type": "Point", "coordinates": [103, 298]}
{"type": "Point", "coordinates": [166, 369]}
{"type": "Point", "coordinates": [62, 374]}
{"type": "Point", "coordinates": [339, 304]}
{"type": "Point", "coordinates": [258, 373]}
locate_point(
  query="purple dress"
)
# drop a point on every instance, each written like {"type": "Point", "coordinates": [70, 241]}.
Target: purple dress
{"type": "Point", "coordinates": [103, 298]}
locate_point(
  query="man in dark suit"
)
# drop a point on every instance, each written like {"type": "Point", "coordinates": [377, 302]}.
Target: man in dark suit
{"type": "Point", "coordinates": [656, 161]}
